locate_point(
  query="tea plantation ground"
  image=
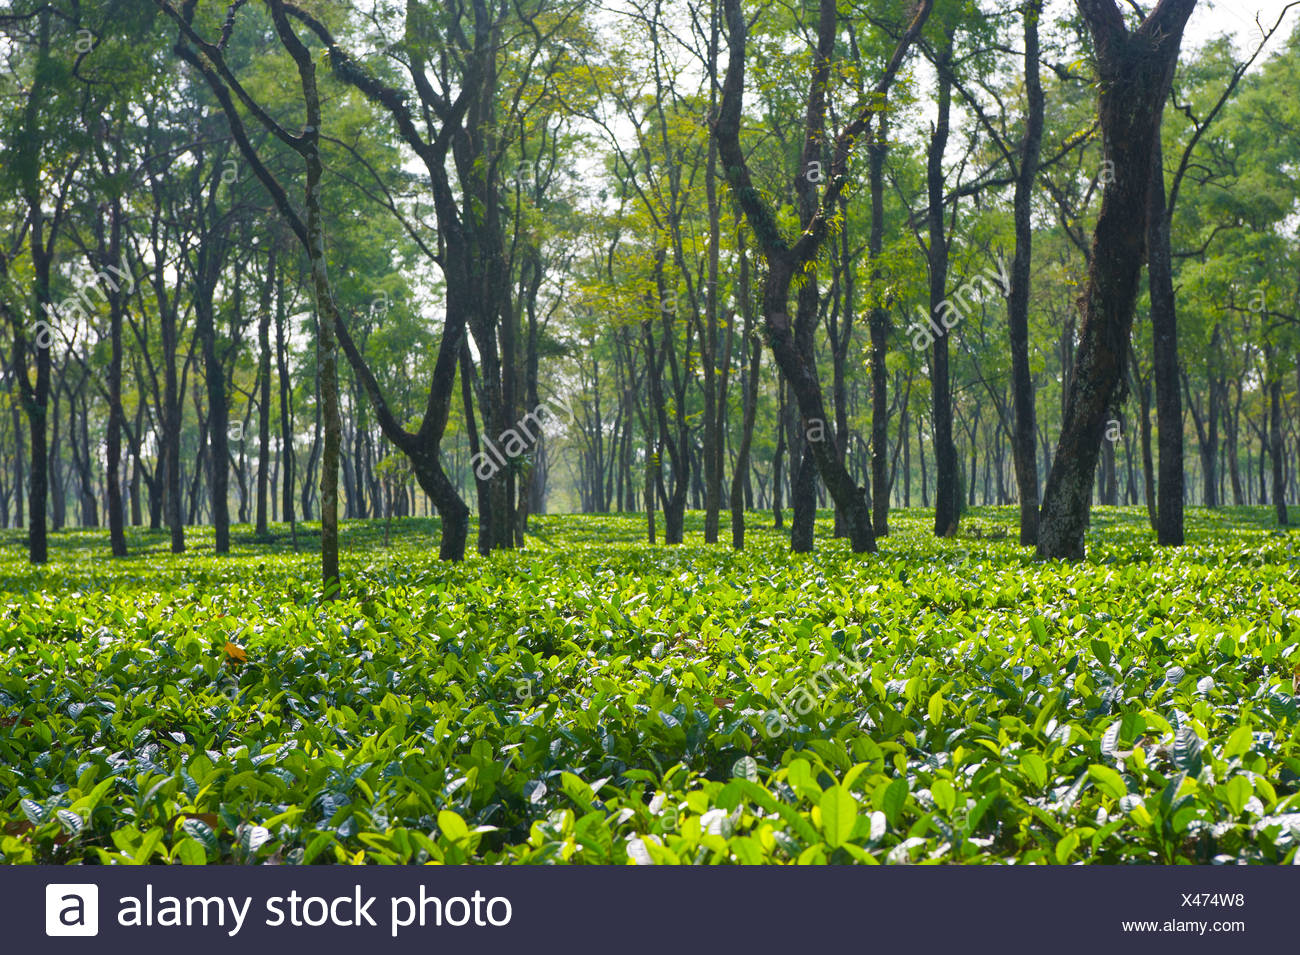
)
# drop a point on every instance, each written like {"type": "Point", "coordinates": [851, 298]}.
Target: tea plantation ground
{"type": "Point", "coordinates": [595, 700]}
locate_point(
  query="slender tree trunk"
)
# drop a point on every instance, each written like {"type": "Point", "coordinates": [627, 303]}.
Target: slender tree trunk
{"type": "Point", "coordinates": [754, 346]}
{"type": "Point", "coordinates": [714, 409]}
{"type": "Point", "coordinates": [1233, 426]}
{"type": "Point", "coordinates": [172, 408]}
{"type": "Point", "coordinates": [20, 467]}
{"type": "Point", "coordinates": [308, 494]}
{"type": "Point", "coordinates": [1143, 387]}
{"type": "Point", "coordinates": [113, 431]}
{"type": "Point", "coordinates": [1275, 443]}
{"type": "Point", "coordinates": [920, 444]}
{"type": "Point", "coordinates": [778, 458]}
{"type": "Point", "coordinates": [264, 396]}
{"type": "Point", "coordinates": [905, 435]}
{"type": "Point", "coordinates": [36, 397]}
{"type": "Point", "coordinates": [1023, 445]}
{"type": "Point", "coordinates": [878, 323]}
{"type": "Point", "coordinates": [803, 477]}
{"type": "Point", "coordinates": [218, 413]}
{"type": "Point", "coordinates": [54, 468]}
{"type": "Point", "coordinates": [481, 486]}
{"type": "Point", "coordinates": [326, 348]}
{"type": "Point", "coordinates": [286, 412]}
{"type": "Point", "coordinates": [946, 491]}
{"type": "Point", "coordinates": [83, 459]}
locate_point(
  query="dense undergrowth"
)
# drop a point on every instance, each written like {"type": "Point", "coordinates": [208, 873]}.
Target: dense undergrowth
{"type": "Point", "coordinates": [595, 700]}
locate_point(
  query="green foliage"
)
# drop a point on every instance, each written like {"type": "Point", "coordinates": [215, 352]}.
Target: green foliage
{"type": "Point", "coordinates": [593, 700]}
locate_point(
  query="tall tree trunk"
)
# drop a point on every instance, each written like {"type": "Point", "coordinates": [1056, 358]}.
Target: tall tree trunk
{"type": "Point", "coordinates": [286, 410]}
{"type": "Point", "coordinates": [714, 404]}
{"type": "Point", "coordinates": [841, 339]}
{"type": "Point", "coordinates": [754, 346]}
{"type": "Point", "coordinates": [878, 323]}
{"type": "Point", "coordinates": [173, 408]}
{"type": "Point", "coordinates": [264, 397]}
{"type": "Point", "coordinates": [946, 491]}
{"type": "Point", "coordinates": [1135, 70]}
{"type": "Point", "coordinates": [803, 477]}
{"type": "Point", "coordinates": [1023, 445]}
{"type": "Point", "coordinates": [326, 346]}
{"type": "Point", "coordinates": [218, 414]}
{"type": "Point", "coordinates": [36, 396]}
{"type": "Point", "coordinates": [113, 433]}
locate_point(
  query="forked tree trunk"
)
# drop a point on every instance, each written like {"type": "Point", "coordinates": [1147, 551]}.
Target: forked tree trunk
{"type": "Point", "coordinates": [816, 209]}
{"type": "Point", "coordinates": [1135, 69]}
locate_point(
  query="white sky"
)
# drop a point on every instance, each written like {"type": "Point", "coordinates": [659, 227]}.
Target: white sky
{"type": "Point", "coordinates": [1214, 17]}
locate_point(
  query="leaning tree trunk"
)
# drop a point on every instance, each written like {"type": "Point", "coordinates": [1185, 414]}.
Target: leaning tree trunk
{"type": "Point", "coordinates": [1135, 69]}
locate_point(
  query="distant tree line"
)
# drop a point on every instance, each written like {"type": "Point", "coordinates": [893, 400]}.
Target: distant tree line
{"type": "Point", "coordinates": [279, 261]}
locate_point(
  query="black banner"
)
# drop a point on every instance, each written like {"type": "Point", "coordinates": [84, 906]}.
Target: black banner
{"type": "Point", "coordinates": [674, 910]}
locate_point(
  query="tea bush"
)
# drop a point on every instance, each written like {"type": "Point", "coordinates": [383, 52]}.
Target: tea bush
{"type": "Point", "coordinates": [595, 700]}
